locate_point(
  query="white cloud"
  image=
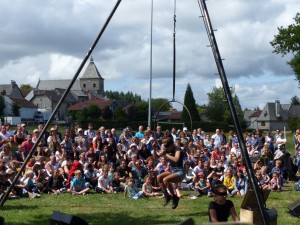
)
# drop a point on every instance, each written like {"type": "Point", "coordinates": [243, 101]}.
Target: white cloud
{"type": "Point", "coordinates": [50, 39]}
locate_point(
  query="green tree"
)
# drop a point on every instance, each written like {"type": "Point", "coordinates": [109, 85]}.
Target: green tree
{"type": "Point", "coordinates": [25, 87]}
{"type": "Point", "coordinates": [15, 108]}
{"type": "Point", "coordinates": [295, 100]}
{"type": "Point", "coordinates": [190, 103]}
{"type": "Point", "coordinates": [119, 114]}
{"type": "Point", "coordinates": [107, 114]}
{"type": "Point", "coordinates": [294, 123]}
{"type": "Point", "coordinates": [216, 105]}
{"type": "Point", "coordinates": [129, 96]}
{"type": "Point", "coordinates": [287, 41]}
{"type": "Point", "coordinates": [156, 103]}
{"type": "Point", "coordinates": [94, 112]}
{"type": "Point", "coordinates": [2, 105]}
{"type": "Point", "coordinates": [218, 109]}
{"type": "Point", "coordinates": [142, 111]}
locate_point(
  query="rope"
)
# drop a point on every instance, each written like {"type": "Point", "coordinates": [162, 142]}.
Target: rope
{"type": "Point", "coordinates": [174, 50]}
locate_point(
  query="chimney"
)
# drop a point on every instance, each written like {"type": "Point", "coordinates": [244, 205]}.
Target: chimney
{"type": "Point", "coordinates": [13, 83]}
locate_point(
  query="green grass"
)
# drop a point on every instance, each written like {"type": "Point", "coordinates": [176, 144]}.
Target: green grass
{"type": "Point", "coordinates": [114, 209]}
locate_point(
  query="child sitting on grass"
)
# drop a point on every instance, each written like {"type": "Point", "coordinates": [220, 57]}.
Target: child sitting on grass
{"type": "Point", "coordinates": [104, 184]}
{"type": "Point", "coordinates": [275, 182]}
{"type": "Point", "coordinates": [202, 187]}
{"type": "Point", "coordinates": [229, 182]}
{"type": "Point", "coordinates": [148, 188]}
{"type": "Point", "coordinates": [131, 190]}
{"type": "Point", "coordinates": [79, 186]}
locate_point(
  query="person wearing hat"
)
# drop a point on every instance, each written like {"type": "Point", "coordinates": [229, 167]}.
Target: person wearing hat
{"type": "Point", "coordinates": [82, 139]}
{"type": "Point", "coordinates": [176, 174]}
{"type": "Point", "coordinates": [53, 134]}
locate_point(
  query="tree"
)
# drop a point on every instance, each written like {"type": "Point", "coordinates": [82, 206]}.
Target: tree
{"type": "Point", "coordinates": [287, 41]}
{"type": "Point", "coordinates": [190, 103]}
{"type": "Point", "coordinates": [142, 111]}
{"type": "Point", "coordinates": [15, 108]}
{"type": "Point", "coordinates": [156, 103]}
{"type": "Point", "coordinates": [218, 109]}
{"type": "Point", "coordinates": [107, 114]}
{"type": "Point", "coordinates": [25, 87]}
{"type": "Point", "coordinates": [119, 114]}
{"type": "Point", "coordinates": [295, 100]}
{"type": "Point", "coordinates": [129, 96]}
{"type": "Point", "coordinates": [94, 112]}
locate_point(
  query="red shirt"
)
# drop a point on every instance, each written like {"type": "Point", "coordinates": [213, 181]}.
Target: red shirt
{"type": "Point", "coordinates": [217, 155]}
{"type": "Point", "coordinates": [27, 146]}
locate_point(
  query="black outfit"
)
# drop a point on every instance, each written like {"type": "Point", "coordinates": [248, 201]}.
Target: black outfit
{"type": "Point", "coordinates": [223, 211]}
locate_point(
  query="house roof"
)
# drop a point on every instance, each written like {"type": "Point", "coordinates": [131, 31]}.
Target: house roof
{"type": "Point", "coordinates": [5, 89]}
{"type": "Point", "coordinates": [25, 92]}
{"type": "Point", "coordinates": [294, 111]}
{"type": "Point", "coordinates": [269, 113]}
{"type": "Point", "coordinates": [101, 103]}
{"type": "Point", "coordinates": [91, 71]}
{"type": "Point", "coordinates": [22, 102]}
{"type": "Point", "coordinates": [255, 113]}
{"type": "Point", "coordinates": [69, 98]}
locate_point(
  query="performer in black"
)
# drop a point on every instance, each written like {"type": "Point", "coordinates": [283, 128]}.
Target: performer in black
{"type": "Point", "coordinates": [220, 209]}
{"type": "Point", "coordinates": [176, 174]}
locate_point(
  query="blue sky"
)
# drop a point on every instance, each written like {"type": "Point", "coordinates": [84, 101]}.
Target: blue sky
{"type": "Point", "coordinates": [49, 40]}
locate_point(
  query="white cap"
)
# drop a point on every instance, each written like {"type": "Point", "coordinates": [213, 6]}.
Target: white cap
{"type": "Point", "coordinates": [185, 128]}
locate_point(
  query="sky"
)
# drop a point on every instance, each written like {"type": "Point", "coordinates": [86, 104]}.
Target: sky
{"type": "Point", "coordinates": [49, 40]}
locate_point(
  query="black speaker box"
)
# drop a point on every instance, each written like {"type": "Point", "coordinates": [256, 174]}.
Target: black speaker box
{"type": "Point", "coordinates": [59, 218]}
{"type": "Point", "coordinates": [295, 208]}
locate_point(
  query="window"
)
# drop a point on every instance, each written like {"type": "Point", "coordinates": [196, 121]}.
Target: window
{"type": "Point", "coordinates": [263, 123]}
{"type": "Point", "coordinates": [84, 85]}
{"type": "Point", "coordinates": [94, 85]}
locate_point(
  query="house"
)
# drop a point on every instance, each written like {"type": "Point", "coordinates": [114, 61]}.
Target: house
{"type": "Point", "coordinates": [13, 95]}
{"type": "Point", "coordinates": [27, 109]}
{"type": "Point", "coordinates": [273, 116]}
{"type": "Point", "coordinates": [48, 100]}
{"type": "Point", "coordinates": [11, 90]}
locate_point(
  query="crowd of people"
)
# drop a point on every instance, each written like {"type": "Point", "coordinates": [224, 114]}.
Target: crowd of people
{"type": "Point", "coordinates": [145, 163]}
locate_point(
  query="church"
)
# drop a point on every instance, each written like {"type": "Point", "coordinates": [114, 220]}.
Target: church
{"type": "Point", "coordinates": [47, 93]}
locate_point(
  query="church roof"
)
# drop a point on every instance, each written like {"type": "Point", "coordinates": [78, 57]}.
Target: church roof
{"type": "Point", "coordinates": [52, 84]}
{"type": "Point", "coordinates": [91, 71]}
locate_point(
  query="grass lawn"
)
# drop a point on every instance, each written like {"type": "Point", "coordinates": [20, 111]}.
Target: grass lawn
{"type": "Point", "coordinates": [114, 209]}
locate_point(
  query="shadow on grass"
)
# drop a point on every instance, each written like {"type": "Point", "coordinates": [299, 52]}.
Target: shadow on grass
{"type": "Point", "coordinates": [103, 218]}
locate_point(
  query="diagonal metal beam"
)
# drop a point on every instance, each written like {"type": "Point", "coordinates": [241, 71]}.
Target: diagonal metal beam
{"type": "Point", "coordinates": [5, 196]}
{"type": "Point", "coordinates": [218, 59]}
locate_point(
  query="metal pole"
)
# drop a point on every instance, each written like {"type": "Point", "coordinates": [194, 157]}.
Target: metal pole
{"type": "Point", "coordinates": [150, 88]}
{"type": "Point", "coordinates": [237, 125]}
{"type": "Point", "coordinates": [5, 196]}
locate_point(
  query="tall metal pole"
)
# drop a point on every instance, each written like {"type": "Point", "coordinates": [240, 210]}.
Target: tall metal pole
{"type": "Point", "coordinates": [5, 196]}
{"type": "Point", "coordinates": [218, 60]}
{"type": "Point", "coordinates": [150, 76]}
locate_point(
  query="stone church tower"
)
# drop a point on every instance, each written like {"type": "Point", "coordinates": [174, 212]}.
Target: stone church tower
{"type": "Point", "coordinates": [91, 80]}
